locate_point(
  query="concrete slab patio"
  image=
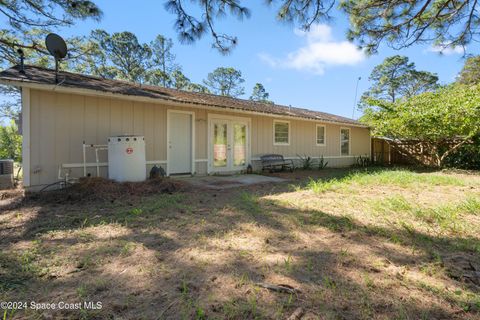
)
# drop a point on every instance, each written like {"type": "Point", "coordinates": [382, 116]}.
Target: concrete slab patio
{"type": "Point", "coordinates": [231, 181]}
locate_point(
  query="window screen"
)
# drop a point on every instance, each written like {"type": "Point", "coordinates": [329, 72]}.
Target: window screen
{"type": "Point", "coordinates": [320, 134]}
{"type": "Point", "coordinates": [345, 142]}
{"type": "Point", "coordinates": [281, 132]}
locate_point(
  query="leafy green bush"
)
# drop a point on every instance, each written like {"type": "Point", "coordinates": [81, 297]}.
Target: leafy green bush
{"type": "Point", "coordinates": [306, 162]}
{"type": "Point", "coordinates": [466, 157]}
{"type": "Point", "coordinates": [362, 161]}
{"type": "Point", "coordinates": [322, 163]}
{"type": "Point", "coordinates": [450, 113]}
{"type": "Point", "coordinates": [10, 143]}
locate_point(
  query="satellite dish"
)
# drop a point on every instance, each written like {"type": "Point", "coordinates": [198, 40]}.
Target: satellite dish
{"type": "Point", "coordinates": [57, 48]}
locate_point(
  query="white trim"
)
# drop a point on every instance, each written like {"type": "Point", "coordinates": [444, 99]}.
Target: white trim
{"type": "Point", "coordinates": [210, 153]}
{"type": "Point", "coordinates": [156, 162]}
{"type": "Point", "coordinates": [164, 101]}
{"type": "Point", "coordinates": [349, 141]}
{"type": "Point", "coordinates": [228, 118]}
{"type": "Point", "coordinates": [26, 136]}
{"type": "Point", "coordinates": [289, 133]}
{"type": "Point", "coordinates": [84, 165]}
{"type": "Point", "coordinates": [192, 114]}
{"type": "Point", "coordinates": [324, 144]}
{"type": "Point", "coordinates": [104, 164]}
{"type": "Point", "coordinates": [370, 147]}
{"type": "Point", "coordinates": [324, 157]}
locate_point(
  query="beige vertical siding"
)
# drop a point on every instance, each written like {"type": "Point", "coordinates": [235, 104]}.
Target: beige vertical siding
{"type": "Point", "coordinates": [201, 139]}
{"type": "Point", "coordinates": [60, 123]}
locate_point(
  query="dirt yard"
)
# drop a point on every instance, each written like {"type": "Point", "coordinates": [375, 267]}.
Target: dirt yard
{"type": "Point", "coordinates": [332, 244]}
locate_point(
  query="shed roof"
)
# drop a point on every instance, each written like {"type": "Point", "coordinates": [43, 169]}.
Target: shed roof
{"type": "Point", "coordinates": [44, 76]}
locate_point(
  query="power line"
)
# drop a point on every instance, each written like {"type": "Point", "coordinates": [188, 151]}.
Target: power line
{"type": "Point", "coordinates": [355, 101]}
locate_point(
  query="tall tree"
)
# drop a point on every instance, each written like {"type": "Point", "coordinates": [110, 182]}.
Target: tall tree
{"type": "Point", "coordinates": [179, 80]}
{"type": "Point", "coordinates": [122, 56]}
{"type": "Point", "coordinates": [163, 59]}
{"type": "Point", "coordinates": [470, 73]}
{"type": "Point", "coordinates": [399, 23]}
{"type": "Point", "coordinates": [128, 56]}
{"type": "Point", "coordinates": [21, 16]}
{"type": "Point", "coordinates": [196, 87]}
{"type": "Point", "coordinates": [402, 23]}
{"type": "Point", "coordinates": [80, 59]}
{"type": "Point", "coordinates": [10, 106]}
{"type": "Point", "coordinates": [449, 114]}
{"type": "Point", "coordinates": [191, 28]}
{"type": "Point", "coordinates": [116, 56]}
{"type": "Point", "coordinates": [396, 77]}
{"type": "Point", "coordinates": [259, 93]}
{"type": "Point", "coordinates": [225, 82]}
{"type": "Point", "coordinates": [417, 82]}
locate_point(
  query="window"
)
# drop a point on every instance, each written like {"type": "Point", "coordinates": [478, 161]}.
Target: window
{"type": "Point", "coordinates": [281, 132]}
{"type": "Point", "coordinates": [344, 141]}
{"type": "Point", "coordinates": [320, 135]}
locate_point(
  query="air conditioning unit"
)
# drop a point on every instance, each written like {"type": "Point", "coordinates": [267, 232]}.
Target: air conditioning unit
{"type": "Point", "coordinates": [6, 173]}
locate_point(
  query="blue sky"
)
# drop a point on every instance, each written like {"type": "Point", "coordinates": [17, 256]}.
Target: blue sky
{"type": "Point", "coordinates": [317, 71]}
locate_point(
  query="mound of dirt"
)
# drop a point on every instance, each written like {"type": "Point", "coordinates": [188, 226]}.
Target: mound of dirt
{"type": "Point", "coordinates": [11, 193]}
{"type": "Point", "coordinates": [463, 267]}
{"type": "Point", "coordinates": [95, 189]}
{"type": "Point", "coordinates": [11, 198]}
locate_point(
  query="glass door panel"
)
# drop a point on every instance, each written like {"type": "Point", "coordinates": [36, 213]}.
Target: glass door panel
{"type": "Point", "coordinates": [220, 141]}
{"type": "Point", "coordinates": [229, 145]}
{"type": "Point", "coordinates": [239, 144]}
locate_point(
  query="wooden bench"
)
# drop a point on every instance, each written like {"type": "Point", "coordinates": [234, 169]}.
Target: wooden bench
{"type": "Point", "coordinates": [276, 162]}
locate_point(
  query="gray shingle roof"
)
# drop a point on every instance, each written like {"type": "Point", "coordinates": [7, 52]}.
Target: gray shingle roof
{"type": "Point", "coordinates": [38, 75]}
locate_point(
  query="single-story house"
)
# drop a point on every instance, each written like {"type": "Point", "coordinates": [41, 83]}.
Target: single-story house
{"type": "Point", "coordinates": [185, 132]}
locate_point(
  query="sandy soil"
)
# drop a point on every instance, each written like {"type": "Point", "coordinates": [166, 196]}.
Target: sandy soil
{"type": "Point", "coordinates": [182, 253]}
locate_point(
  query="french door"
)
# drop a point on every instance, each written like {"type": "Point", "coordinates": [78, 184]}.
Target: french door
{"type": "Point", "coordinates": [229, 144]}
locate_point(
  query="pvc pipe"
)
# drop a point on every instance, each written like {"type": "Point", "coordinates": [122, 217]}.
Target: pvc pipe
{"type": "Point", "coordinates": [96, 147]}
{"type": "Point", "coordinates": [84, 161]}
{"type": "Point", "coordinates": [81, 165]}
{"type": "Point", "coordinates": [96, 161]}
{"type": "Point", "coordinates": [103, 164]}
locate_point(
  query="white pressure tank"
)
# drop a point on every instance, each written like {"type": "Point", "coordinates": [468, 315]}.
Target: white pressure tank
{"type": "Point", "coordinates": [126, 158]}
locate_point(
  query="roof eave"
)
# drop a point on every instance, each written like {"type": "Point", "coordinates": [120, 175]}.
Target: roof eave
{"type": "Point", "coordinates": [91, 92]}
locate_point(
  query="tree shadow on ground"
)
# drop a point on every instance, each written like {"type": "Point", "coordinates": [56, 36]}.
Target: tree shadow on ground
{"type": "Point", "coordinates": [173, 256]}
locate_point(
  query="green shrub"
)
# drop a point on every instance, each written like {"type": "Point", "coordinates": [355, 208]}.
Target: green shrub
{"type": "Point", "coordinates": [10, 142]}
{"type": "Point", "coordinates": [306, 162]}
{"type": "Point", "coordinates": [322, 163]}
{"type": "Point", "coordinates": [466, 157]}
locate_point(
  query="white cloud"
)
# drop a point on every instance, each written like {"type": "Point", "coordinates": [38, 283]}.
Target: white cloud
{"type": "Point", "coordinates": [320, 52]}
{"type": "Point", "coordinates": [319, 32]}
{"type": "Point", "coordinates": [446, 50]}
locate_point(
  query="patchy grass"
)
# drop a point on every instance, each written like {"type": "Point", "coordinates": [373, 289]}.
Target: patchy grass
{"type": "Point", "coordinates": [399, 178]}
{"type": "Point", "coordinates": [357, 244]}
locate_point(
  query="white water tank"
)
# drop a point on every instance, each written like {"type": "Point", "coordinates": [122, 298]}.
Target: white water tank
{"type": "Point", "coordinates": [126, 158]}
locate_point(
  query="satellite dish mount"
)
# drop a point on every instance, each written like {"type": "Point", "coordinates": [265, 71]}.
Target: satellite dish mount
{"type": "Point", "coordinates": [57, 47]}
{"type": "Point", "coordinates": [22, 60]}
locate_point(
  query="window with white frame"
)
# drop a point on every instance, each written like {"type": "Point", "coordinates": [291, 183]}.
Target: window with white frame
{"type": "Point", "coordinates": [320, 135]}
{"type": "Point", "coordinates": [344, 141]}
{"type": "Point", "coordinates": [281, 132]}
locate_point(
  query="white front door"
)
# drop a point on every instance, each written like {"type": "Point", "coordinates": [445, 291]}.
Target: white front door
{"type": "Point", "coordinates": [228, 145]}
{"type": "Point", "coordinates": [180, 143]}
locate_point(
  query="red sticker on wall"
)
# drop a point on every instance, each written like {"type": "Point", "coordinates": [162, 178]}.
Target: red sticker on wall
{"type": "Point", "coordinates": [129, 150]}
